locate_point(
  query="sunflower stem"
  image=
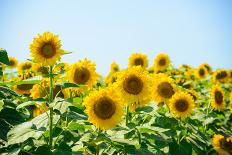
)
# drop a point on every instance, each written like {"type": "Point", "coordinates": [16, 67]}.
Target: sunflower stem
{"type": "Point", "coordinates": [51, 109]}
{"type": "Point", "coordinates": [127, 115]}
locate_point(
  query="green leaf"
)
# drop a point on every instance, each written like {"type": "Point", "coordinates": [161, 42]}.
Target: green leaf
{"type": "Point", "coordinates": [20, 134]}
{"type": "Point", "coordinates": [8, 91]}
{"type": "Point", "coordinates": [183, 148]}
{"type": "Point", "coordinates": [68, 85]}
{"type": "Point", "coordinates": [22, 105]}
{"type": "Point", "coordinates": [124, 141]}
{"type": "Point", "coordinates": [1, 105]}
{"type": "Point", "coordinates": [4, 57]}
{"type": "Point", "coordinates": [150, 129]}
{"type": "Point", "coordinates": [144, 109]}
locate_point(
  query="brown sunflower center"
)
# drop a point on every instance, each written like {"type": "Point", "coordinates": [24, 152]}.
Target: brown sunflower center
{"type": "Point", "coordinates": [138, 62]}
{"type": "Point", "coordinates": [12, 62]}
{"type": "Point", "coordinates": [43, 70]}
{"type": "Point", "coordinates": [115, 69]}
{"type": "Point", "coordinates": [218, 97]}
{"type": "Point", "coordinates": [162, 62]}
{"type": "Point", "coordinates": [201, 72]}
{"type": "Point", "coordinates": [26, 66]}
{"type": "Point", "coordinates": [133, 85]}
{"type": "Point", "coordinates": [221, 75]}
{"type": "Point", "coordinates": [104, 108]}
{"type": "Point", "coordinates": [165, 90]}
{"type": "Point", "coordinates": [81, 76]}
{"type": "Point", "coordinates": [226, 144]}
{"type": "Point", "coordinates": [181, 105]}
{"type": "Point", "coordinates": [207, 67]}
{"type": "Point", "coordinates": [48, 50]}
{"type": "Point", "coordinates": [25, 86]}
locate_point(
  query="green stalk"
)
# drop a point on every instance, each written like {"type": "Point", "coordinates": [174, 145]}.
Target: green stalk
{"type": "Point", "coordinates": [127, 115]}
{"type": "Point", "coordinates": [50, 108]}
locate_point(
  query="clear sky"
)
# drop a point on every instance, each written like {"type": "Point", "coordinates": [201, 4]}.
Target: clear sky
{"type": "Point", "coordinates": [190, 31]}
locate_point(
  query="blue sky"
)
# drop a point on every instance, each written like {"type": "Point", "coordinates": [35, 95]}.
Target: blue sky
{"type": "Point", "coordinates": [190, 31]}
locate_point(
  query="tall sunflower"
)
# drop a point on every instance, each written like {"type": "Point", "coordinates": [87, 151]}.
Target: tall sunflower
{"type": "Point", "coordinates": [83, 72]}
{"type": "Point", "coordinates": [114, 67]}
{"type": "Point", "coordinates": [46, 49]}
{"type": "Point", "coordinates": [134, 87]}
{"type": "Point", "coordinates": [201, 72]}
{"type": "Point", "coordinates": [220, 75]}
{"type": "Point", "coordinates": [208, 67]}
{"type": "Point", "coordinates": [217, 98]}
{"type": "Point", "coordinates": [111, 78]}
{"type": "Point", "coordinates": [181, 104]}
{"type": "Point", "coordinates": [161, 62]}
{"type": "Point", "coordinates": [13, 62]}
{"type": "Point", "coordinates": [222, 145]}
{"type": "Point", "coordinates": [104, 108]}
{"type": "Point", "coordinates": [24, 66]}
{"type": "Point", "coordinates": [138, 59]}
{"type": "Point", "coordinates": [163, 88]}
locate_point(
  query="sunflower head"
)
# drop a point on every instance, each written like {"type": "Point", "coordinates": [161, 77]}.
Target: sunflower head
{"type": "Point", "coordinates": [222, 145]}
{"type": "Point", "coordinates": [134, 86]}
{"type": "Point", "coordinates": [23, 89]}
{"type": "Point", "coordinates": [161, 62]}
{"type": "Point", "coordinates": [104, 108]}
{"type": "Point", "coordinates": [163, 88]}
{"type": "Point", "coordinates": [39, 69]}
{"type": "Point", "coordinates": [181, 104]}
{"type": "Point", "coordinates": [220, 75]}
{"type": "Point", "coordinates": [13, 62]}
{"type": "Point", "coordinates": [111, 78]}
{"type": "Point", "coordinates": [208, 67]}
{"type": "Point", "coordinates": [24, 66]}
{"type": "Point", "coordinates": [46, 49]}
{"type": "Point", "coordinates": [138, 59]}
{"type": "Point", "coordinates": [217, 98]}
{"type": "Point", "coordinates": [114, 67]}
{"type": "Point", "coordinates": [83, 72]}
{"type": "Point", "coordinates": [201, 72]}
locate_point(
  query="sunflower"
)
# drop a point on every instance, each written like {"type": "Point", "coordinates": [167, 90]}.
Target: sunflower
{"type": "Point", "coordinates": [24, 66]}
{"type": "Point", "coordinates": [46, 49]}
{"type": "Point", "coordinates": [217, 98]}
{"type": "Point", "coordinates": [104, 108]}
{"type": "Point", "coordinates": [163, 88]}
{"type": "Point", "coordinates": [134, 87]}
{"type": "Point", "coordinates": [39, 69]}
{"type": "Point", "coordinates": [83, 72]}
{"type": "Point", "coordinates": [23, 89]}
{"type": "Point", "coordinates": [220, 75]}
{"type": "Point", "coordinates": [222, 145]}
{"type": "Point", "coordinates": [208, 67]}
{"type": "Point", "coordinates": [13, 62]}
{"type": "Point", "coordinates": [138, 59]}
{"type": "Point", "coordinates": [201, 72]}
{"type": "Point", "coordinates": [62, 67]}
{"type": "Point", "coordinates": [181, 104]}
{"type": "Point", "coordinates": [161, 62]}
{"type": "Point", "coordinates": [114, 67]}
{"type": "Point", "coordinates": [38, 91]}
{"type": "Point", "coordinates": [193, 93]}
{"type": "Point", "coordinates": [111, 78]}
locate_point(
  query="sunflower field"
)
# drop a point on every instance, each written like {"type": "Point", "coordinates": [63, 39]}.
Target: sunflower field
{"type": "Point", "coordinates": [52, 107]}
